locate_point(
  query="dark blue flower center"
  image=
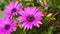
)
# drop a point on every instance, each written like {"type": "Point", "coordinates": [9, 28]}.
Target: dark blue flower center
{"type": "Point", "coordinates": [30, 18]}
{"type": "Point", "coordinates": [7, 27]}
{"type": "Point", "coordinates": [13, 10]}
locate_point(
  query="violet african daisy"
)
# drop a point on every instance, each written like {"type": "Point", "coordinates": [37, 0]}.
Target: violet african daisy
{"type": "Point", "coordinates": [30, 17]}
{"type": "Point", "coordinates": [7, 26]}
{"type": "Point", "coordinates": [12, 8]}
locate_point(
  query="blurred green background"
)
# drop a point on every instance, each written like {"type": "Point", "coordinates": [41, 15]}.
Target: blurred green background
{"type": "Point", "coordinates": [51, 19]}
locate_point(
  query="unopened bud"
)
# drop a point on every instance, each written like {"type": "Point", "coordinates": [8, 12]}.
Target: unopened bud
{"type": "Point", "coordinates": [49, 15]}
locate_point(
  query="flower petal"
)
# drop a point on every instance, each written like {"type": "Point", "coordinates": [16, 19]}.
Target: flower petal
{"type": "Point", "coordinates": [16, 4]}
{"type": "Point", "coordinates": [24, 24]}
{"type": "Point", "coordinates": [23, 13]}
{"type": "Point", "coordinates": [36, 23]}
{"type": "Point", "coordinates": [21, 19]}
{"type": "Point", "coordinates": [11, 4]}
{"type": "Point", "coordinates": [19, 5]}
{"type": "Point", "coordinates": [39, 14]}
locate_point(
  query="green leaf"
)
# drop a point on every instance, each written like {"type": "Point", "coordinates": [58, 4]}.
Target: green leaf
{"type": "Point", "coordinates": [58, 32]}
{"type": "Point", "coordinates": [34, 30]}
{"type": "Point", "coordinates": [7, 1]}
{"type": "Point", "coordinates": [2, 6]}
{"type": "Point", "coordinates": [19, 31]}
{"type": "Point", "coordinates": [45, 20]}
{"type": "Point", "coordinates": [59, 6]}
{"type": "Point", "coordinates": [50, 30]}
{"type": "Point", "coordinates": [43, 32]}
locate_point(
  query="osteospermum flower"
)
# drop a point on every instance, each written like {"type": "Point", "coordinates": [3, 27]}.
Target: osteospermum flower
{"type": "Point", "coordinates": [12, 8]}
{"type": "Point", "coordinates": [30, 17]}
{"type": "Point", "coordinates": [7, 26]}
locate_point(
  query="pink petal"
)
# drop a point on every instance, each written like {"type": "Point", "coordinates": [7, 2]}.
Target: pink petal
{"type": "Point", "coordinates": [39, 14]}
{"type": "Point", "coordinates": [2, 33]}
{"type": "Point", "coordinates": [8, 8]}
{"type": "Point", "coordinates": [16, 4]}
{"type": "Point", "coordinates": [39, 22]}
{"type": "Point", "coordinates": [21, 19]}
{"type": "Point", "coordinates": [30, 25]}
{"type": "Point", "coordinates": [25, 27]}
{"type": "Point", "coordinates": [12, 29]}
{"type": "Point", "coordinates": [31, 10]}
{"type": "Point", "coordinates": [7, 32]}
{"type": "Point", "coordinates": [35, 23]}
{"type": "Point", "coordinates": [11, 4]}
{"type": "Point", "coordinates": [19, 5]}
{"type": "Point", "coordinates": [24, 24]}
{"type": "Point", "coordinates": [38, 18]}
{"type": "Point", "coordinates": [13, 24]}
{"type": "Point", "coordinates": [27, 10]}
{"type": "Point", "coordinates": [23, 13]}
{"type": "Point", "coordinates": [34, 10]}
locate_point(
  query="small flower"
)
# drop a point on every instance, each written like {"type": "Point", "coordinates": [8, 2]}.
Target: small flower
{"type": "Point", "coordinates": [7, 26]}
{"type": "Point", "coordinates": [12, 8]}
{"type": "Point", "coordinates": [30, 17]}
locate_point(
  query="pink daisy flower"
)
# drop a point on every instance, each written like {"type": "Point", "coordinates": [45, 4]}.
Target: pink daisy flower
{"type": "Point", "coordinates": [30, 17]}
{"type": "Point", "coordinates": [12, 8]}
{"type": "Point", "coordinates": [7, 26]}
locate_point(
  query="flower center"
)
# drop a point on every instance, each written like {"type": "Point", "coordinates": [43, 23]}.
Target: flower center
{"type": "Point", "coordinates": [13, 10]}
{"type": "Point", "coordinates": [30, 18]}
{"type": "Point", "coordinates": [7, 27]}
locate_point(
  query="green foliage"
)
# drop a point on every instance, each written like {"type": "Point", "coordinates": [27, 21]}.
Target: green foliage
{"type": "Point", "coordinates": [33, 31]}
{"type": "Point", "coordinates": [54, 4]}
{"type": "Point", "coordinates": [4, 3]}
{"type": "Point", "coordinates": [59, 6]}
{"type": "Point", "coordinates": [50, 30]}
{"type": "Point", "coordinates": [19, 31]}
